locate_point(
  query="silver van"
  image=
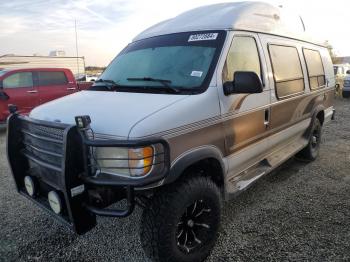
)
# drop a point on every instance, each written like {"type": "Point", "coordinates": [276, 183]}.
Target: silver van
{"type": "Point", "coordinates": [192, 112]}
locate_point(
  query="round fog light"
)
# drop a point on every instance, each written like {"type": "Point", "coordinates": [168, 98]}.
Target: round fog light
{"type": "Point", "coordinates": [29, 185]}
{"type": "Point", "coordinates": [55, 202]}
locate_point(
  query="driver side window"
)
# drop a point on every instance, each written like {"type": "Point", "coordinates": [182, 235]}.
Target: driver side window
{"type": "Point", "coordinates": [23, 79]}
{"type": "Point", "coordinates": [243, 56]}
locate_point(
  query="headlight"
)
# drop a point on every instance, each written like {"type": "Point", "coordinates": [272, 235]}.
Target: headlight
{"type": "Point", "coordinates": [133, 162]}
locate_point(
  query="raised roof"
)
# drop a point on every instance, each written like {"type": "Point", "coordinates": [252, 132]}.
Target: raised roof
{"type": "Point", "coordinates": [248, 16]}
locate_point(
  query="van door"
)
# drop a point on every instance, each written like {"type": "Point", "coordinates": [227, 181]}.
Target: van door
{"type": "Point", "coordinates": [290, 104]}
{"type": "Point", "coordinates": [51, 85]}
{"type": "Point", "coordinates": [19, 88]}
{"type": "Point", "coordinates": [245, 116]}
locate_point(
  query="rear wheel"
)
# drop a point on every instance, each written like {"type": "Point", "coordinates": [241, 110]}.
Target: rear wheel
{"type": "Point", "coordinates": [311, 151]}
{"type": "Point", "coordinates": [182, 221]}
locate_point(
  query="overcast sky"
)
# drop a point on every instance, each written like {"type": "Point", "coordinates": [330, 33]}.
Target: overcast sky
{"type": "Point", "coordinates": [106, 26]}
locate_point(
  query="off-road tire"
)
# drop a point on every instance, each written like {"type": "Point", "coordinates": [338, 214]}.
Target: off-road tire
{"type": "Point", "coordinates": [163, 218]}
{"type": "Point", "coordinates": [311, 151]}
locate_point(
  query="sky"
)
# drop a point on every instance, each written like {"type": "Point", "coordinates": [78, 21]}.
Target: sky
{"type": "Point", "coordinates": [104, 27]}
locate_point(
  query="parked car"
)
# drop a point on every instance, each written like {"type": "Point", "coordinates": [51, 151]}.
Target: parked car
{"type": "Point", "coordinates": [346, 86]}
{"type": "Point", "coordinates": [340, 74]}
{"type": "Point", "coordinates": [192, 112]}
{"type": "Point", "coordinates": [28, 88]}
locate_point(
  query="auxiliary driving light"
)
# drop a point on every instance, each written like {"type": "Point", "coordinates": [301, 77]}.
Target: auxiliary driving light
{"type": "Point", "coordinates": [29, 185]}
{"type": "Point", "coordinates": [55, 202]}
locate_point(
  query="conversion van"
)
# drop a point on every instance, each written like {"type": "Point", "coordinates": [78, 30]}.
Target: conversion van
{"type": "Point", "coordinates": [192, 112]}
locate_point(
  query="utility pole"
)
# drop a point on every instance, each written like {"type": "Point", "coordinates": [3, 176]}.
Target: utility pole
{"type": "Point", "coordinates": [76, 45]}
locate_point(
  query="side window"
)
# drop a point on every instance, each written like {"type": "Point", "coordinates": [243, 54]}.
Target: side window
{"type": "Point", "coordinates": [289, 79]}
{"type": "Point", "coordinates": [52, 78]}
{"type": "Point", "coordinates": [315, 69]}
{"type": "Point", "coordinates": [243, 56]}
{"type": "Point", "coordinates": [17, 80]}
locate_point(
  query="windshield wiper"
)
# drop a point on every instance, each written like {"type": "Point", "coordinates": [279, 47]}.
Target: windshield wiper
{"type": "Point", "coordinates": [164, 82]}
{"type": "Point", "coordinates": [109, 84]}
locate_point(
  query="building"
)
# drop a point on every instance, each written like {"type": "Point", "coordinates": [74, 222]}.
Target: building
{"type": "Point", "coordinates": [341, 60]}
{"type": "Point", "coordinates": [75, 64]}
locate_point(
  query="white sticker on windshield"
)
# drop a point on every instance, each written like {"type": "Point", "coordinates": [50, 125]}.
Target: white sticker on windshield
{"type": "Point", "coordinates": [197, 73]}
{"type": "Point", "coordinates": [203, 37]}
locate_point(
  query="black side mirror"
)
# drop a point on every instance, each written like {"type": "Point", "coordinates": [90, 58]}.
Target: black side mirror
{"type": "Point", "coordinates": [348, 72]}
{"type": "Point", "coordinates": [244, 82]}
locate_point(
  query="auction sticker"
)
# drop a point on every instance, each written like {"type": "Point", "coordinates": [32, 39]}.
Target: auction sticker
{"type": "Point", "coordinates": [203, 37]}
{"type": "Point", "coordinates": [197, 73]}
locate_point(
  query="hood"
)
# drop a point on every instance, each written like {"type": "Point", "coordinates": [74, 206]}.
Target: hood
{"type": "Point", "coordinates": [112, 113]}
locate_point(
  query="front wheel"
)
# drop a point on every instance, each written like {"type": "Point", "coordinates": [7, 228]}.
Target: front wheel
{"type": "Point", "coordinates": [182, 221]}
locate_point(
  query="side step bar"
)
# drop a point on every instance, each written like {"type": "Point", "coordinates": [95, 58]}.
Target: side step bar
{"type": "Point", "coordinates": [241, 182]}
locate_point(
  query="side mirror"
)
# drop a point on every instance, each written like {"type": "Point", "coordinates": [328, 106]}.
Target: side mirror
{"type": "Point", "coordinates": [244, 82]}
{"type": "Point", "coordinates": [348, 72]}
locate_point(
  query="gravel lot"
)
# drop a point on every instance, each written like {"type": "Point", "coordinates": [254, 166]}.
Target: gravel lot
{"type": "Point", "coordinates": [300, 212]}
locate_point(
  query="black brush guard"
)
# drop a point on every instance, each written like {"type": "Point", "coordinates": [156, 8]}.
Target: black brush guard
{"type": "Point", "coordinates": [58, 157]}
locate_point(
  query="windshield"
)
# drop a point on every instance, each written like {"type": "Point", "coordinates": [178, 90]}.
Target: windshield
{"type": "Point", "coordinates": [184, 61]}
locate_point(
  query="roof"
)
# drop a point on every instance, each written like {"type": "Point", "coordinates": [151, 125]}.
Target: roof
{"type": "Point", "coordinates": [37, 56]}
{"type": "Point", "coordinates": [247, 16]}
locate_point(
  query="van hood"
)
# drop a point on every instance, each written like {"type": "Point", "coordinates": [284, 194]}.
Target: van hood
{"type": "Point", "coordinates": [111, 113]}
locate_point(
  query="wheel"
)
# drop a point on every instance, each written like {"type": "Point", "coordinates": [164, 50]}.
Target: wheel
{"type": "Point", "coordinates": [310, 152]}
{"type": "Point", "coordinates": [182, 221]}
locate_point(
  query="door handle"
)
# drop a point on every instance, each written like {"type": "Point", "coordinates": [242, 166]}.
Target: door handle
{"type": "Point", "coordinates": [71, 88]}
{"type": "Point", "coordinates": [32, 91]}
{"type": "Point", "coordinates": [267, 117]}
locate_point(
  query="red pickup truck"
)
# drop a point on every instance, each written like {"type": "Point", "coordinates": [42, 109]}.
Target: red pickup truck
{"type": "Point", "coordinates": [28, 88]}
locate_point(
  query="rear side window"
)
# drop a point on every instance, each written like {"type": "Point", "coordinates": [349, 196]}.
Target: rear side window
{"type": "Point", "coordinates": [289, 79]}
{"type": "Point", "coordinates": [243, 56]}
{"type": "Point", "coordinates": [23, 79]}
{"type": "Point", "coordinates": [52, 78]}
{"type": "Point", "coordinates": [314, 68]}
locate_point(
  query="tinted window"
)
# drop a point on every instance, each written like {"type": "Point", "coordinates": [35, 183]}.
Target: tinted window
{"type": "Point", "coordinates": [23, 79]}
{"type": "Point", "coordinates": [314, 68]}
{"type": "Point", "coordinates": [243, 56]}
{"type": "Point", "coordinates": [287, 70]}
{"type": "Point", "coordinates": [52, 78]}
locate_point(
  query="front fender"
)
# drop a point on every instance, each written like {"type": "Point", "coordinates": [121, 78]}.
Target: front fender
{"type": "Point", "coordinates": [193, 156]}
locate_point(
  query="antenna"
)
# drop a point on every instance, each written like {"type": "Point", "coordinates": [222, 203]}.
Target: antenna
{"type": "Point", "coordinates": [76, 45]}
{"type": "Point", "coordinates": [302, 22]}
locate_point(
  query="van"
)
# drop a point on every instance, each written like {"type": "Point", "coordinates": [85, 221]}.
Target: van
{"type": "Point", "coordinates": [191, 113]}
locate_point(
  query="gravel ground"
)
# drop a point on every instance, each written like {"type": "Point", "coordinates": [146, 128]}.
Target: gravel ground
{"type": "Point", "coordinates": [300, 212]}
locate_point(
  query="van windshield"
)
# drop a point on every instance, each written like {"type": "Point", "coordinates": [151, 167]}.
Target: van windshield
{"type": "Point", "coordinates": [183, 62]}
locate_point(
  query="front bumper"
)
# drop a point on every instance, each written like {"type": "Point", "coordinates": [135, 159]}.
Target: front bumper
{"type": "Point", "coordinates": [57, 157]}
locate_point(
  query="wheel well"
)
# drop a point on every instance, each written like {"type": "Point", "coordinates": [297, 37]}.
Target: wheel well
{"type": "Point", "coordinates": [210, 167]}
{"type": "Point", "coordinates": [320, 116]}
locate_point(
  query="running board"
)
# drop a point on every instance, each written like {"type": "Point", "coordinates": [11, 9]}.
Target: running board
{"type": "Point", "coordinates": [239, 183]}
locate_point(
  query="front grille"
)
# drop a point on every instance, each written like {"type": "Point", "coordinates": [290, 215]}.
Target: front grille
{"type": "Point", "coordinates": [43, 146]}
